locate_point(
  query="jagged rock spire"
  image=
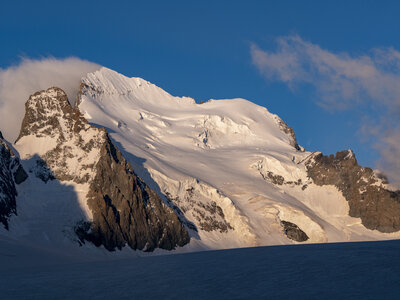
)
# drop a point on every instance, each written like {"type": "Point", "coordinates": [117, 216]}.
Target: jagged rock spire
{"type": "Point", "coordinates": [125, 210]}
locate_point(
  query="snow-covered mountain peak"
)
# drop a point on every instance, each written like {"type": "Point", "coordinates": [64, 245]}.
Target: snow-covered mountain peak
{"type": "Point", "coordinates": [119, 102]}
{"type": "Point", "coordinates": [41, 106]}
{"type": "Point", "coordinates": [84, 173]}
{"type": "Point", "coordinates": [234, 146]}
{"type": "Point", "coordinates": [231, 119]}
{"type": "Point", "coordinates": [108, 82]}
{"type": "Point", "coordinates": [150, 170]}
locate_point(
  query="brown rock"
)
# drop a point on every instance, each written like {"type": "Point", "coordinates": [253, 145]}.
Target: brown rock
{"type": "Point", "coordinates": [378, 207]}
{"type": "Point", "coordinates": [126, 211]}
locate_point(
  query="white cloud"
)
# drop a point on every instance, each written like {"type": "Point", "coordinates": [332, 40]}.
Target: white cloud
{"type": "Point", "coordinates": [18, 82]}
{"type": "Point", "coordinates": [339, 79]}
{"type": "Point", "coordinates": [342, 81]}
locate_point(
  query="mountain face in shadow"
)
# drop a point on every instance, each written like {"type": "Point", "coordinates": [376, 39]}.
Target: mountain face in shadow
{"type": "Point", "coordinates": [11, 173]}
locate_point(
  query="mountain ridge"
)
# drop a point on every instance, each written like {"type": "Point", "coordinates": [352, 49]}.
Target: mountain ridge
{"type": "Point", "coordinates": [150, 170]}
{"type": "Point", "coordinates": [69, 149]}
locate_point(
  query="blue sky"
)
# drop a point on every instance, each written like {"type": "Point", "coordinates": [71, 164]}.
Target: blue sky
{"type": "Point", "coordinates": [202, 49]}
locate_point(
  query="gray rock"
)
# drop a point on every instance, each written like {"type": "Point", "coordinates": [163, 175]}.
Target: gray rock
{"type": "Point", "coordinates": [378, 207]}
{"type": "Point", "coordinates": [126, 211]}
{"type": "Point", "coordinates": [289, 131]}
{"type": "Point", "coordinates": [208, 215]}
{"type": "Point", "coordinates": [293, 232]}
{"type": "Point", "coordinates": [20, 175]}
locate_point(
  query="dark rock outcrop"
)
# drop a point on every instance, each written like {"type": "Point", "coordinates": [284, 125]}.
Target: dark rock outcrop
{"type": "Point", "coordinates": [275, 179]}
{"type": "Point", "coordinates": [378, 207]}
{"type": "Point", "coordinates": [293, 232]}
{"type": "Point", "coordinates": [270, 176]}
{"type": "Point", "coordinates": [208, 220]}
{"type": "Point", "coordinates": [125, 210]}
{"type": "Point", "coordinates": [289, 131]}
{"type": "Point", "coordinates": [11, 173]}
{"type": "Point", "coordinates": [209, 216]}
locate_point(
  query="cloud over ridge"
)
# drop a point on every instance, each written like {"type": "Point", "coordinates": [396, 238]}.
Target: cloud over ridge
{"type": "Point", "coordinates": [18, 82]}
{"type": "Point", "coordinates": [342, 82]}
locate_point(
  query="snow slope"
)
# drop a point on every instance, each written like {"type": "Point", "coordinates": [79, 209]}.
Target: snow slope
{"type": "Point", "coordinates": [224, 151]}
{"type": "Point", "coordinates": [369, 270]}
{"type": "Point", "coordinates": [232, 170]}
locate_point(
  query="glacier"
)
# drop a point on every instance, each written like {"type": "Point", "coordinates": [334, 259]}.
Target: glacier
{"type": "Point", "coordinates": [233, 172]}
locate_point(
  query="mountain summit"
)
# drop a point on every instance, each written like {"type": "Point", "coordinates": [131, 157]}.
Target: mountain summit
{"type": "Point", "coordinates": [62, 146]}
{"type": "Point", "coordinates": [129, 164]}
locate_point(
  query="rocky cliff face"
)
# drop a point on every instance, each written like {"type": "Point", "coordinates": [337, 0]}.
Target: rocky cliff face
{"type": "Point", "coordinates": [126, 211]}
{"type": "Point", "coordinates": [378, 207]}
{"type": "Point", "coordinates": [293, 232]}
{"type": "Point", "coordinates": [11, 173]}
{"type": "Point", "coordinates": [67, 148]}
{"type": "Point", "coordinates": [290, 132]}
